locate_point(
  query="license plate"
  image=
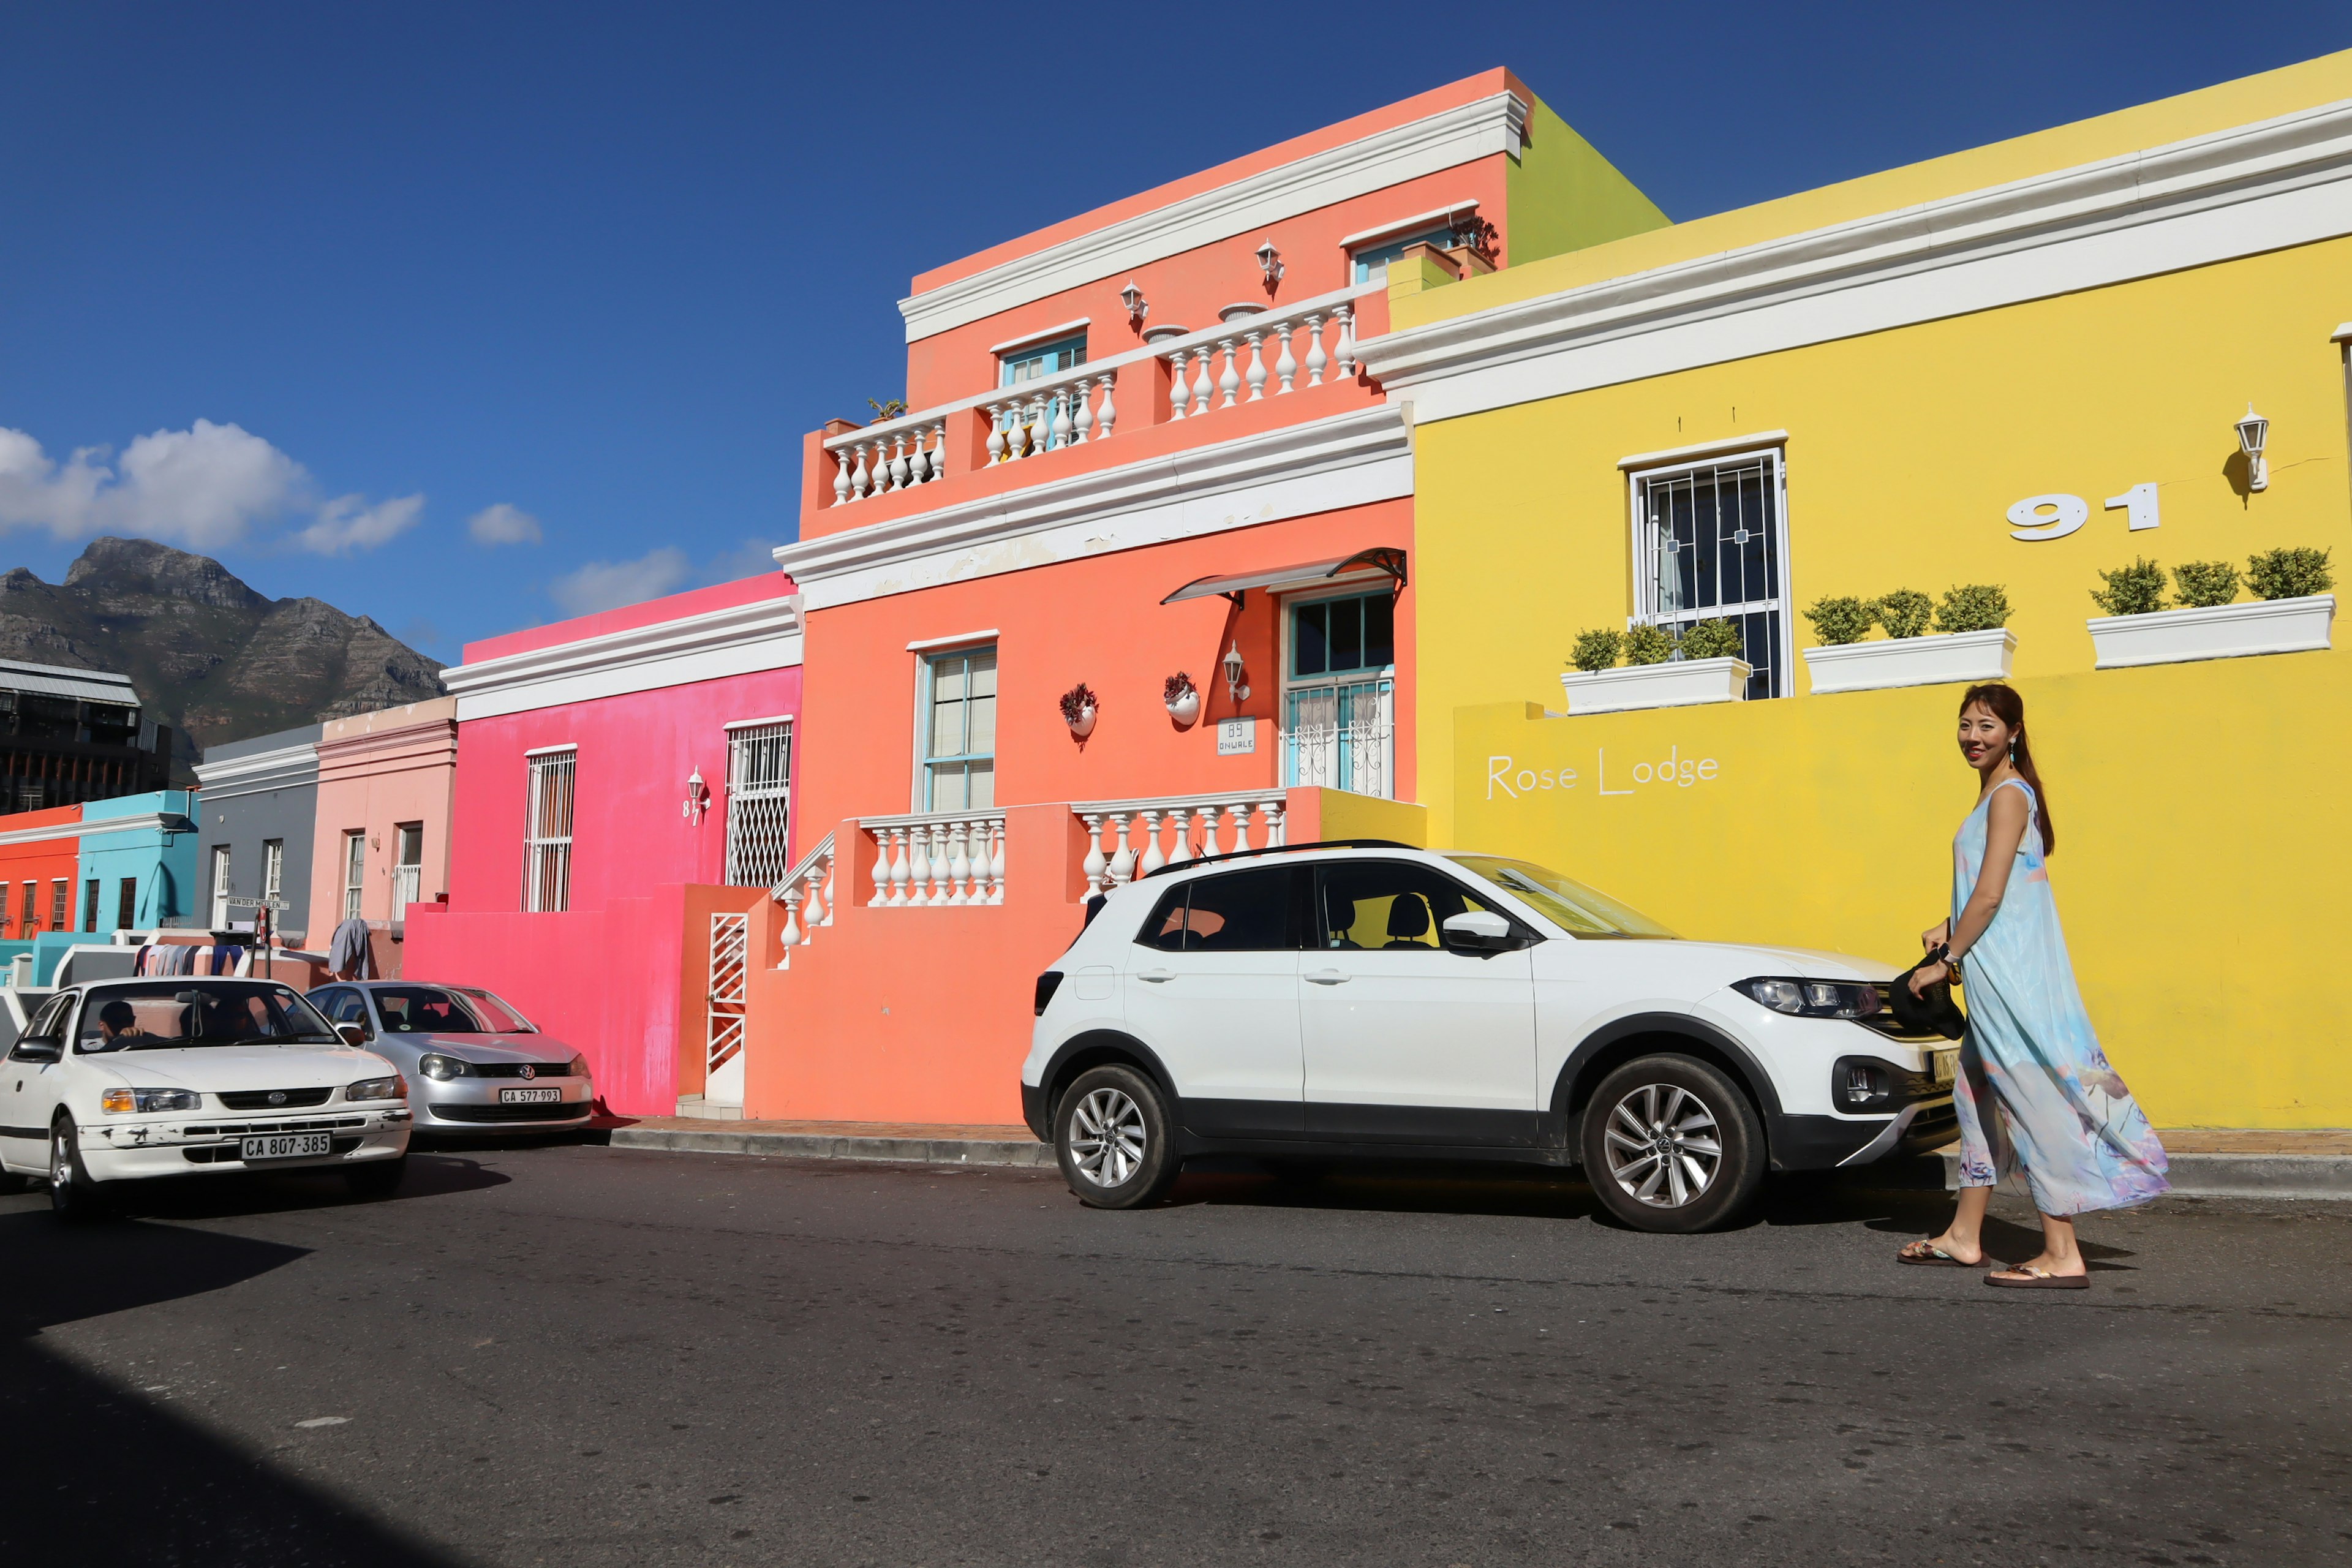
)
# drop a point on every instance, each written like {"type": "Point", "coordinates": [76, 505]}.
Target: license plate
{"type": "Point", "coordinates": [528, 1096]}
{"type": "Point", "coordinates": [285, 1146]}
{"type": "Point", "coordinates": [1946, 1066]}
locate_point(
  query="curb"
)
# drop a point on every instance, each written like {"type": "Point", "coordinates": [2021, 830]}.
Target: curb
{"type": "Point", "coordinates": [825, 1146]}
{"type": "Point", "coordinates": [2323, 1177]}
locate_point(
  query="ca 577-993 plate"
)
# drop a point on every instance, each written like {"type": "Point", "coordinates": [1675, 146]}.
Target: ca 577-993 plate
{"type": "Point", "coordinates": [528, 1096]}
{"type": "Point", "coordinates": [1947, 1067]}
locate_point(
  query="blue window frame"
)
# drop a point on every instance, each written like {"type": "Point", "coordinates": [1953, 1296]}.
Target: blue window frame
{"type": "Point", "coordinates": [1338, 700]}
{"type": "Point", "coordinates": [1041, 360]}
{"type": "Point", "coordinates": [1332, 636]}
{"type": "Point", "coordinates": [1372, 260]}
{"type": "Point", "coordinates": [960, 729]}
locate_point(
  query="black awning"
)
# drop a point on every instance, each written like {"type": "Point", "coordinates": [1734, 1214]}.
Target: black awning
{"type": "Point", "coordinates": [1379, 558]}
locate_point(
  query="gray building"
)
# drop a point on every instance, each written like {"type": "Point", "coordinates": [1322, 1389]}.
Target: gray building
{"type": "Point", "coordinates": [254, 817]}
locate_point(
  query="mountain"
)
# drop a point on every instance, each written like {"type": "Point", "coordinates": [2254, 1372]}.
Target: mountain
{"type": "Point", "coordinates": [210, 656]}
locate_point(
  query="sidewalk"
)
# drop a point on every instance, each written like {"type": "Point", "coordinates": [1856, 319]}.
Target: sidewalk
{"type": "Point", "coordinates": [2212, 1162]}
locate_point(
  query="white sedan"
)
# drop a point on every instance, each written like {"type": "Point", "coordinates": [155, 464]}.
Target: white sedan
{"type": "Point", "coordinates": [117, 1080]}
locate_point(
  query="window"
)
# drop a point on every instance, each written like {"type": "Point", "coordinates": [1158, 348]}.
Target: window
{"type": "Point", "coordinates": [220, 886]}
{"type": "Point", "coordinates": [354, 873]}
{"type": "Point", "coordinates": [126, 903]}
{"type": "Point", "coordinates": [408, 865]}
{"type": "Point", "coordinates": [32, 912]}
{"type": "Point", "coordinates": [1040, 360]}
{"type": "Point", "coordinates": [1384, 904]}
{"type": "Point", "coordinates": [1709, 543]}
{"type": "Point", "coordinates": [1239, 912]}
{"type": "Point", "coordinates": [547, 834]}
{"type": "Point", "coordinates": [1339, 702]}
{"type": "Point", "coordinates": [1372, 261]}
{"type": "Point", "coordinates": [89, 905]}
{"type": "Point", "coordinates": [959, 730]}
{"type": "Point", "coordinates": [273, 867]}
{"type": "Point", "coordinates": [60, 899]}
{"type": "Point", "coordinates": [4, 907]}
{"type": "Point", "coordinates": [759, 802]}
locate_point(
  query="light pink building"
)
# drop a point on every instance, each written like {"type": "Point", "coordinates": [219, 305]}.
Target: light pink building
{"type": "Point", "coordinates": [380, 847]}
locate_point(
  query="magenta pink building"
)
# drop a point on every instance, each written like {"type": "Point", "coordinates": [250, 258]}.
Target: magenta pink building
{"type": "Point", "coordinates": [618, 776]}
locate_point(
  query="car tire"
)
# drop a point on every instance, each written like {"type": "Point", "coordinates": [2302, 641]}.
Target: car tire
{"type": "Point", "coordinates": [377, 1179]}
{"type": "Point", "coordinates": [73, 1196]}
{"type": "Point", "coordinates": [1112, 1136]}
{"type": "Point", "coordinates": [1671, 1144]}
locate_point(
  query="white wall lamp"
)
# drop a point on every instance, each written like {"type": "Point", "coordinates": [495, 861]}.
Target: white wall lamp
{"type": "Point", "coordinates": [1234, 671]}
{"type": "Point", "coordinates": [697, 798]}
{"type": "Point", "coordinates": [1137, 308]}
{"type": "Point", "coordinates": [2254, 432]}
{"type": "Point", "coordinates": [1269, 261]}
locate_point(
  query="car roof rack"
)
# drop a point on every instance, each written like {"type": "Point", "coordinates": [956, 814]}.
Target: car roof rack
{"type": "Point", "coordinates": [1275, 849]}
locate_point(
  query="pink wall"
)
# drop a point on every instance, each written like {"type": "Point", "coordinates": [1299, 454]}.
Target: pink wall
{"type": "Point", "coordinates": [377, 771]}
{"type": "Point", "coordinates": [628, 618]}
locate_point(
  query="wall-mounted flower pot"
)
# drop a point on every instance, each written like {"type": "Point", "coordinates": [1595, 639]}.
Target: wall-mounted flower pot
{"type": "Point", "coordinates": [1185, 708]}
{"type": "Point", "coordinates": [1084, 724]}
{"type": "Point", "coordinates": [1674, 684]}
{"type": "Point", "coordinates": [2221, 631]}
{"type": "Point", "coordinates": [1939, 658]}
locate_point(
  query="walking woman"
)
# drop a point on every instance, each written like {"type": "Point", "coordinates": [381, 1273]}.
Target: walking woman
{"type": "Point", "coordinates": [2034, 1091]}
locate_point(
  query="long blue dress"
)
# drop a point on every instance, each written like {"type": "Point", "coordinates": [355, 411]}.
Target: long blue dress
{"type": "Point", "coordinates": [2034, 1091]}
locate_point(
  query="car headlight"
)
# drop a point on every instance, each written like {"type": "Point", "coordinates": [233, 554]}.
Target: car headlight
{"type": "Point", "coordinates": [393, 1087]}
{"type": "Point", "coordinates": [1812, 998]}
{"type": "Point", "coordinates": [579, 1067]}
{"type": "Point", "coordinates": [433, 1065]}
{"type": "Point", "coordinates": [124, 1101]}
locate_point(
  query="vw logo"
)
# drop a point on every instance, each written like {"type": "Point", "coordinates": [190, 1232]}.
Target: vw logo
{"type": "Point", "coordinates": [277, 1097]}
{"type": "Point", "coordinates": [529, 1070]}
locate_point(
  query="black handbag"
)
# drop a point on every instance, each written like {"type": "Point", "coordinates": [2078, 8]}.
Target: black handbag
{"type": "Point", "coordinates": [1931, 1012]}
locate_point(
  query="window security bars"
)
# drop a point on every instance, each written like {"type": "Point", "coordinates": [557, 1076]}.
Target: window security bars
{"type": "Point", "coordinates": [1709, 546]}
{"type": "Point", "coordinates": [220, 886]}
{"type": "Point", "coordinates": [408, 858]}
{"type": "Point", "coordinates": [1341, 735]}
{"type": "Point", "coordinates": [759, 803]}
{"type": "Point", "coordinates": [730, 961]}
{"type": "Point", "coordinates": [547, 835]}
{"type": "Point", "coordinates": [354, 873]}
{"type": "Point", "coordinates": [959, 730]}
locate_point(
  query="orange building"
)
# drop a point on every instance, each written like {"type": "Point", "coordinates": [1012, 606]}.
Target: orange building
{"type": "Point", "coordinates": [40, 855]}
{"type": "Point", "coordinates": [1129, 582]}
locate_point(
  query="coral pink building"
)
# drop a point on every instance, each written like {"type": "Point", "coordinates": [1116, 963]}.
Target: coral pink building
{"type": "Point", "coordinates": [380, 845]}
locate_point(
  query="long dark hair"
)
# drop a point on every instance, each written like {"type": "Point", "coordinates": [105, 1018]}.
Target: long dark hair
{"type": "Point", "coordinates": [2004, 704]}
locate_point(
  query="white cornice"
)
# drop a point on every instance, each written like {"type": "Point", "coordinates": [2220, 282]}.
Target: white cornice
{"type": "Point", "coordinates": [2210, 198]}
{"type": "Point", "coordinates": [299, 763]}
{"type": "Point", "coordinates": [1347, 460]}
{"type": "Point", "coordinates": [1427, 146]}
{"type": "Point", "coordinates": [144, 822]}
{"type": "Point", "coordinates": [738, 640]}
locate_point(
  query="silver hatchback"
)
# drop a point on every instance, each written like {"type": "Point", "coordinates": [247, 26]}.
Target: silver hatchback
{"type": "Point", "coordinates": [474, 1064]}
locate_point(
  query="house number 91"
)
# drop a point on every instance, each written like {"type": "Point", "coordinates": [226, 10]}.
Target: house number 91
{"type": "Point", "coordinates": [2056, 516]}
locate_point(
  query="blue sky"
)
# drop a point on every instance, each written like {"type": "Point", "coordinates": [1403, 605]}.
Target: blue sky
{"type": "Point", "coordinates": [326, 283]}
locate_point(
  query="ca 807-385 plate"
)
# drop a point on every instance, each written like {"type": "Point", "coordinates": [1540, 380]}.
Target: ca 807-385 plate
{"type": "Point", "coordinates": [285, 1146]}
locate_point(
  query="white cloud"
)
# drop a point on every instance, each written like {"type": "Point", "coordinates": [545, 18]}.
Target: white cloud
{"type": "Point", "coordinates": [348, 522]}
{"type": "Point", "coordinates": [608, 585]}
{"type": "Point", "coordinates": [750, 558]}
{"type": "Point", "coordinates": [504, 524]}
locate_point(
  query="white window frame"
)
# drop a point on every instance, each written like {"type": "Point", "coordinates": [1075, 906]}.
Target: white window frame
{"type": "Point", "coordinates": [1384, 679]}
{"type": "Point", "coordinates": [273, 869]}
{"type": "Point", "coordinates": [220, 866]}
{"type": "Point", "coordinates": [1644, 573]}
{"type": "Point", "coordinates": [759, 815]}
{"type": "Point", "coordinates": [547, 855]}
{"type": "Point", "coordinates": [354, 872]}
{"type": "Point", "coordinates": [407, 874]}
{"type": "Point", "coordinates": [920, 798]}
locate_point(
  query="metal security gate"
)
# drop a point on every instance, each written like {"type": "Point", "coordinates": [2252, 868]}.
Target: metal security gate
{"type": "Point", "coordinates": [759, 802]}
{"type": "Point", "coordinates": [722, 1064]}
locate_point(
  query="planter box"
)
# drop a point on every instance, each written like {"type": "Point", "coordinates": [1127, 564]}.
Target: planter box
{"type": "Point", "coordinates": [1669, 685]}
{"type": "Point", "coordinates": [2223, 631]}
{"type": "Point", "coordinates": [1937, 659]}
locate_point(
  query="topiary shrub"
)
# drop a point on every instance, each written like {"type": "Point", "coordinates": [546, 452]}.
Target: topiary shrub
{"type": "Point", "coordinates": [2205, 584]}
{"type": "Point", "coordinates": [1713, 639]}
{"type": "Point", "coordinates": [1837, 621]}
{"type": "Point", "coordinates": [2134, 590]}
{"type": "Point", "coordinates": [1973, 607]}
{"type": "Point", "coordinates": [1904, 612]}
{"type": "Point", "coordinates": [1648, 645]}
{"type": "Point", "coordinates": [1596, 650]}
{"type": "Point", "coordinates": [2289, 574]}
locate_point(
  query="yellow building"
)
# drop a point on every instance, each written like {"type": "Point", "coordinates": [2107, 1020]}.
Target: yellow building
{"type": "Point", "coordinates": [2020, 366]}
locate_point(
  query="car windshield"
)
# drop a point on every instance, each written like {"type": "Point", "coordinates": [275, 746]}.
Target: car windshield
{"type": "Point", "coordinates": [1567, 902]}
{"type": "Point", "coordinates": [161, 1015]}
{"type": "Point", "coordinates": [439, 1010]}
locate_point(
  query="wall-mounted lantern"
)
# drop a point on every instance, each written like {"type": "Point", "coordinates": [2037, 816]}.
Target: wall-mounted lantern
{"type": "Point", "coordinates": [1137, 306]}
{"type": "Point", "coordinates": [1269, 261]}
{"type": "Point", "coordinates": [1234, 671]}
{"type": "Point", "coordinates": [697, 798]}
{"type": "Point", "coordinates": [2254, 432]}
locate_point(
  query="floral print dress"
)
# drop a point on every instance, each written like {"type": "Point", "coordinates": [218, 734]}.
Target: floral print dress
{"type": "Point", "coordinates": [2035, 1090]}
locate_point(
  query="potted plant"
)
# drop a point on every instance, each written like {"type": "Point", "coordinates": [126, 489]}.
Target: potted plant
{"type": "Point", "coordinates": [2292, 610]}
{"type": "Point", "coordinates": [1660, 671]}
{"type": "Point", "coordinates": [1182, 698]}
{"type": "Point", "coordinates": [1078, 704]}
{"type": "Point", "coordinates": [1971, 641]}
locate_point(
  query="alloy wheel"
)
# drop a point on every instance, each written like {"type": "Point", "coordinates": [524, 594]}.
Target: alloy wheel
{"type": "Point", "coordinates": [1664, 1146]}
{"type": "Point", "coordinates": [1106, 1137]}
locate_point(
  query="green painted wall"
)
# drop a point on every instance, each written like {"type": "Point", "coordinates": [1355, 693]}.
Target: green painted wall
{"type": "Point", "coordinates": [1564, 195]}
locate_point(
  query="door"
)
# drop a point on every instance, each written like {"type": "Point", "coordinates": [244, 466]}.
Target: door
{"type": "Point", "coordinates": [1405, 1041]}
{"type": "Point", "coordinates": [29, 1092]}
{"type": "Point", "coordinates": [1213, 986]}
{"type": "Point", "coordinates": [722, 1064]}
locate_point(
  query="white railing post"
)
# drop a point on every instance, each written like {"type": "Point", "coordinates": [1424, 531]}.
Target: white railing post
{"type": "Point", "coordinates": [841, 478]}
{"type": "Point", "coordinates": [1256, 376]}
{"type": "Point", "coordinates": [959, 864]}
{"type": "Point", "coordinates": [1285, 368]}
{"type": "Point", "coordinates": [793, 936]}
{"type": "Point", "coordinates": [901, 471]}
{"type": "Point", "coordinates": [1315, 358]}
{"type": "Point", "coordinates": [996, 860]}
{"type": "Point", "coordinates": [901, 874]}
{"type": "Point", "coordinates": [939, 463]}
{"type": "Point", "coordinates": [1230, 382]}
{"type": "Point", "coordinates": [1347, 319]}
{"type": "Point", "coordinates": [1106, 416]}
{"type": "Point", "coordinates": [864, 482]}
{"type": "Point", "coordinates": [1094, 865]}
{"type": "Point", "coordinates": [1122, 864]}
{"type": "Point", "coordinates": [1152, 858]}
{"type": "Point", "coordinates": [1202, 387]}
{"type": "Point", "coordinates": [1181, 816]}
{"type": "Point", "coordinates": [1083, 422]}
{"type": "Point", "coordinates": [995, 434]}
{"type": "Point", "coordinates": [1180, 393]}
{"type": "Point", "coordinates": [1276, 824]}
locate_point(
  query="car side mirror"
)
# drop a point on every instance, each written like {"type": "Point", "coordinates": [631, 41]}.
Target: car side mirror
{"type": "Point", "coordinates": [1480, 932]}
{"type": "Point", "coordinates": [353, 1034]}
{"type": "Point", "coordinates": [37, 1050]}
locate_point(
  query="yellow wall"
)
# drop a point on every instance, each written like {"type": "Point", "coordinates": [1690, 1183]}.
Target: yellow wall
{"type": "Point", "coordinates": [1563, 195]}
{"type": "Point", "coordinates": [2202, 867]}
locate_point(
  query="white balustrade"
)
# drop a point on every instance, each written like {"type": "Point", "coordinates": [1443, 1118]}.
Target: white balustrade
{"type": "Point", "coordinates": [1216, 369]}
{"type": "Point", "coordinates": [1146, 835]}
{"type": "Point", "coordinates": [937, 859]}
{"type": "Point", "coordinates": [808, 894]}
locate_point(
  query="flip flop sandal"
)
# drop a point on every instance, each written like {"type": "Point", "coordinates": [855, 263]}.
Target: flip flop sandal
{"type": "Point", "coordinates": [2039, 1279]}
{"type": "Point", "coordinates": [1934, 1258]}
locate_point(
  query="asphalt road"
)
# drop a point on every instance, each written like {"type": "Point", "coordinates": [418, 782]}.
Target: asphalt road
{"type": "Point", "coordinates": [581, 1355]}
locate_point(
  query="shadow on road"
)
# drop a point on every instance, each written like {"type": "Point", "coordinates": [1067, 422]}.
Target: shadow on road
{"type": "Point", "coordinates": [103, 1475]}
{"type": "Point", "coordinates": [430, 1175]}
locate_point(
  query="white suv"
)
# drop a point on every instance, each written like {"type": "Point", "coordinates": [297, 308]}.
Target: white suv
{"type": "Point", "coordinates": [1371, 999]}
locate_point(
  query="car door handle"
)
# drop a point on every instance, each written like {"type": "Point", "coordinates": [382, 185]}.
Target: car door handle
{"type": "Point", "coordinates": [1155, 976]}
{"type": "Point", "coordinates": [1328, 976]}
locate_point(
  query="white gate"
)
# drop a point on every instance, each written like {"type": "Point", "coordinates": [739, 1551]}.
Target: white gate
{"type": "Point", "coordinates": [722, 1064]}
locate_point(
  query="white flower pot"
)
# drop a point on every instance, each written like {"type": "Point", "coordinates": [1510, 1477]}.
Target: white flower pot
{"type": "Point", "coordinates": [1084, 724]}
{"type": "Point", "coordinates": [1937, 659]}
{"type": "Point", "coordinates": [1185, 708]}
{"type": "Point", "coordinates": [2221, 631]}
{"type": "Point", "coordinates": [1674, 684]}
